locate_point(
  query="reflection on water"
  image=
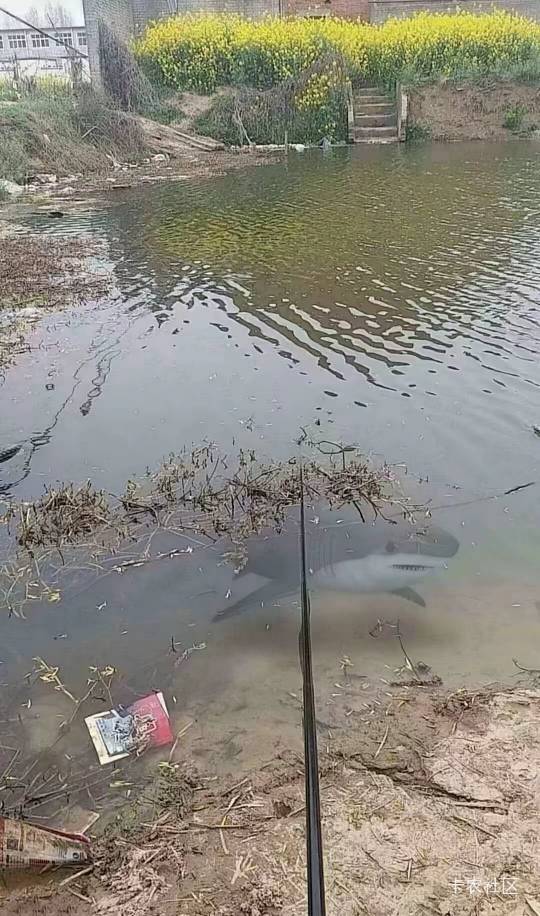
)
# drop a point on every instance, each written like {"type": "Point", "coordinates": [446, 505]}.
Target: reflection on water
{"type": "Point", "coordinates": [386, 297]}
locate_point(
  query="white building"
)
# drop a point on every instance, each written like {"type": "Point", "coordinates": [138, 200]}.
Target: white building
{"type": "Point", "coordinates": [37, 53]}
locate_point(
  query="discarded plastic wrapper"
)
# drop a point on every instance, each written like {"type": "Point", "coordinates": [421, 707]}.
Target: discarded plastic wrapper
{"type": "Point", "coordinates": [23, 845]}
{"type": "Point", "coordinates": [144, 724]}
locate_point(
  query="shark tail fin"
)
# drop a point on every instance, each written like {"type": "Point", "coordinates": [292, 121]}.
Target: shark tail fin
{"type": "Point", "coordinates": [266, 594]}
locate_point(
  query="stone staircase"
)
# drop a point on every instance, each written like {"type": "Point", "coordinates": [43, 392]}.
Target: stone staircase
{"type": "Point", "coordinates": [374, 116]}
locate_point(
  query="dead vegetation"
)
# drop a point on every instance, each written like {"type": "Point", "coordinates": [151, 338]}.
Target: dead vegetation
{"type": "Point", "coordinates": [62, 516]}
{"type": "Point", "coordinates": [13, 337]}
{"type": "Point", "coordinates": [37, 271]}
{"type": "Point", "coordinates": [195, 498]}
{"type": "Point", "coordinates": [279, 115]}
{"type": "Point", "coordinates": [65, 134]}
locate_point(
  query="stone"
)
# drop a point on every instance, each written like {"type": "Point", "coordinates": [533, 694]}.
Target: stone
{"type": "Point", "coordinates": [45, 178]}
{"type": "Point", "coordinates": [11, 188]}
{"type": "Point", "coordinates": [160, 157]}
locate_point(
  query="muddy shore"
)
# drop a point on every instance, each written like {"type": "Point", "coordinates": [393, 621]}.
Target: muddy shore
{"type": "Point", "coordinates": [429, 806]}
{"type": "Point", "coordinates": [183, 166]}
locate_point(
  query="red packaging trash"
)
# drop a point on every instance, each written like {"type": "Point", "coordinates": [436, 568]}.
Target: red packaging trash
{"type": "Point", "coordinates": [142, 725]}
{"type": "Point", "coordinates": [23, 845]}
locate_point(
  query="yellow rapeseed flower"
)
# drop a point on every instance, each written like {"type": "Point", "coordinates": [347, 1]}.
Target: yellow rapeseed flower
{"type": "Point", "coordinates": [203, 51]}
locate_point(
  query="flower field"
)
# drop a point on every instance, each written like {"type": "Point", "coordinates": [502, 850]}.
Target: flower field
{"type": "Point", "coordinates": [203, 52]}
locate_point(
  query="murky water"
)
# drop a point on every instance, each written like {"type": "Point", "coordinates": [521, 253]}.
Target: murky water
{"type": "Point", "coordinates": [384, 297]}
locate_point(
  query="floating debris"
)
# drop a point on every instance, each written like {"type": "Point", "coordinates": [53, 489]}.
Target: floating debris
{"type": "Point", "coordinates": [198, 496]}
{"type": "Point", "coordinates": [54, 271]}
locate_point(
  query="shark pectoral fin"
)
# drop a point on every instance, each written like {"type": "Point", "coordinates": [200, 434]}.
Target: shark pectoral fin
{"type": "Point", "coordinates": [410, 595]}
{"type": "Point", "coordinates": [255, 600]}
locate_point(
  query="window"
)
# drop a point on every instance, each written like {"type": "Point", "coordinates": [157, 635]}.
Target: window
{"type": "Point", "coordinates": [1, 42]}
{"type": "Point", "coordinates": [17, 40]}
{"type": "Point", "coordinates": [81, 38]}
{"type": "Point", "coordinates": [65, 37]}
{"type": "Point", "coordinates": [39, 41]}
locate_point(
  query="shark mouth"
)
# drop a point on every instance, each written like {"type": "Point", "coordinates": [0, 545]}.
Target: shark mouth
{"type": "Point", "coordinates": [411, 567]}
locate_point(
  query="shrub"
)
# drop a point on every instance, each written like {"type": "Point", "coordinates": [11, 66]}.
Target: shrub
{"type": "Point", "coordinates": [417, 133]}
{"type": "Point", "coordinates": [202, 52]}
{"type": "Point", "coordinates": [122, 78]}
{"type": "Point", "coordinates": [514, 118]}
{"type": "Point", "coordinates": [305, 108]}
{"type": "Point", "coordinates": [65, 134]}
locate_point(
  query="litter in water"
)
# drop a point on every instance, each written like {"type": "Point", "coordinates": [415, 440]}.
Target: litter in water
{"type": "Point", "coordinates": [23, 845]}
{"type": "Point", "coordinates": [142, 725]}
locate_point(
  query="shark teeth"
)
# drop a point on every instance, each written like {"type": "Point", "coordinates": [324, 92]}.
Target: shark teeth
{"type": "Point", "coordinates": [411, 567]}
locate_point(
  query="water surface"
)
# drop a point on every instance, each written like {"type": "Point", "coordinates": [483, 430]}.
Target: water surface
{"type": "Point", "coordinates": [383, 297]}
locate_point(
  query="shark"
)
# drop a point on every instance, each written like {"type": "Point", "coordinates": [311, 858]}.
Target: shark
{"type": "Point", "coordinates": [345, 554]}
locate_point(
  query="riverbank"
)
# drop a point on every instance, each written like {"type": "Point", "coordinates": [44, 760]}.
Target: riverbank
{"type": "Point", "coordinates": [293, 78]}
{"type": "Point", "coordinates": [429, 804]}
{"type": "Point", "coordinates": [487, 110]}
{"type": "Point", "coordinates": [56, 146]}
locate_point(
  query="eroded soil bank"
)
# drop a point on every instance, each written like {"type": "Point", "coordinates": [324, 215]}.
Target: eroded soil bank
{"type": "Point", "coordinates": [429, 799]}
{"type": "Point", "coordinates": [471, 111]}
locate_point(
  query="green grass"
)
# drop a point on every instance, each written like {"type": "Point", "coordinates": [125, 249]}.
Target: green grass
{"type": "Point", "coordinates": [14, 161]}
{"type": "Point", "coordinates": [45, 87]}
{"type": "Point", "coordinates": [514, 118]}
{"type": "Point", "coordinates": [418, 133]}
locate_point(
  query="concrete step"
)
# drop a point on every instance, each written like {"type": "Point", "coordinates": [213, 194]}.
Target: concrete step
{"type": "Point", "coordinates": [362, 90]}
{"type": "Point", "coordinates": [374, 108]}
{"type": "Point", "coordinates": [374, 99]}
{"type": "Point", "coordinates": [376, 120]}
{"type": "Point", "coordinates": [374, 134]}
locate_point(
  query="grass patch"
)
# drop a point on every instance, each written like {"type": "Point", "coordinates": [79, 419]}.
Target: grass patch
{"type": "Point", "coordinates": [37, 86]}
{"type": "Point", "coordinates": [418, 133]}
{"type": "Point", "coordinates": [14, 161]}
{"type": "Point", "coordinates": [514, 118]}
{"type": "Point", "coordinates": [64, 134]}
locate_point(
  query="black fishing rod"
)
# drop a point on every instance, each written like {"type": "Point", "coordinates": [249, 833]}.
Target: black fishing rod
{"type": "Point", "coordinates": [315, 869]}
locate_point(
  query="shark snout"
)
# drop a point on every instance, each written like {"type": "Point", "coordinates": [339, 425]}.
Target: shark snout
{"type": "Point", "coordinates": [426, 545]}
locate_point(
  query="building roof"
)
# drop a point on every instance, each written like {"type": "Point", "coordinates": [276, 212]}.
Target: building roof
{"type": "Point", "coordinates": [48, 29]}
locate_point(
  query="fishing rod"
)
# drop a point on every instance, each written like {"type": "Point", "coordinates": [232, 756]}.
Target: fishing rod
{"type": "Point", "coordinates": [315, 869]}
